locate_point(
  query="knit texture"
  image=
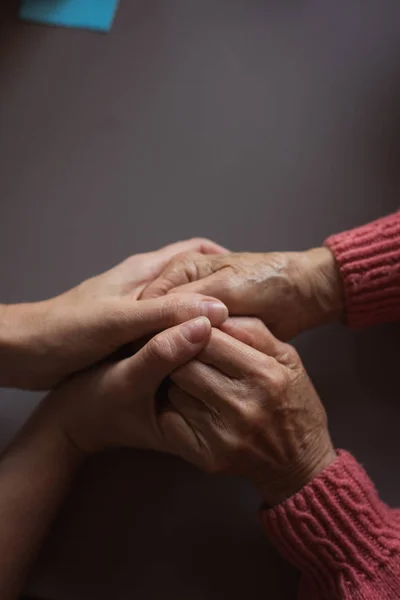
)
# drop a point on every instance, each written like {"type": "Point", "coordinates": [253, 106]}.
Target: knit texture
{"type": "Point", "coordinates": [369, 262]}
{"type": "Point", "coordinates": [342, 537]}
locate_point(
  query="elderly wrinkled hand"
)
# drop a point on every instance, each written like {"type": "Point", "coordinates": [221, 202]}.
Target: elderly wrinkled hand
{"type": "Point", "coordinates": [289, 291]}
{"type": "Point", "coordinates": [245, 406]}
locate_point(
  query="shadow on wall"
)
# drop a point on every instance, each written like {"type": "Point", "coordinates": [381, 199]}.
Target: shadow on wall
{"type": "Point", "coordinates": [383, 139]}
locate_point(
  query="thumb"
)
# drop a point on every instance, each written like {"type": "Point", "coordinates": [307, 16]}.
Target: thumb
{"type": "Point", "coordinates": [164, 353]}
{"type": "Point", "coordinates": [135, 319]}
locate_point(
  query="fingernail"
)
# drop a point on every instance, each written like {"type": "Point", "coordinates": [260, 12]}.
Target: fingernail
{"type": "Point", "coordinates": [196, 330]}
{"type": "Point", "coordinates": [215, 311]}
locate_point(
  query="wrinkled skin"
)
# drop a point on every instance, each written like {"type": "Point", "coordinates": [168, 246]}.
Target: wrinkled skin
{"type": "Point", "coordinates": [245, 406]}
{"type": "Point", "coordinates": [289, 291]}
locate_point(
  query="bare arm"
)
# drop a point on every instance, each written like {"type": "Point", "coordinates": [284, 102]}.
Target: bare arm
{"type": "Point", "coordinates": [42, 343]}
{"type": "Point", "coordinates": [111, 405]}
{"type": "Point", "coordinates": [35, 475]}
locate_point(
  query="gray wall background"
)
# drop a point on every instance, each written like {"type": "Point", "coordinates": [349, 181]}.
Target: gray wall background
{"type": "Point", "coordinates": [265, 125]}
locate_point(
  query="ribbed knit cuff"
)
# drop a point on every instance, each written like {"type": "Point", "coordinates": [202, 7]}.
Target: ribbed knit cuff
{"type": "Point", "coordinates": [337, 531]}
{"type": "Point", "coordinates": [369, 263]}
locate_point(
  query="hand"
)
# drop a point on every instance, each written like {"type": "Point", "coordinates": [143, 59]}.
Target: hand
{"type": "Point", "coordinates": [111, 405]}
{"type": "Point", "coordinates": [289, 291]}
{"type": "Point", "coordinates": [44, 342]}
{"type": "Point", "coordinates": [249, 411]}
{"type": "Point", "coordinates": [116, 405]}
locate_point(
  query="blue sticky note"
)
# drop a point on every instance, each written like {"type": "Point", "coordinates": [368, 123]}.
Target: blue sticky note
{"type": "Point", "coordinates": [87, 14]}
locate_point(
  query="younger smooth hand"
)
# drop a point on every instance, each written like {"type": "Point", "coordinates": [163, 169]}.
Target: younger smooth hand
{"type": "Point", "coordinates": [44, 342]}
{"type": "Point", "coordinates": [116, 404]}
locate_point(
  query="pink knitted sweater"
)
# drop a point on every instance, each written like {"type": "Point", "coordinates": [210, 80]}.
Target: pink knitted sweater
{"type": "Point", "coordinates": [336, 530]}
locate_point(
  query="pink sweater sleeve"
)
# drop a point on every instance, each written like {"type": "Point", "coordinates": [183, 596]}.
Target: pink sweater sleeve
{"type": "Point", "coordinates": [340, 535]}
{"type": "Point", "coordinates": [369, 262]}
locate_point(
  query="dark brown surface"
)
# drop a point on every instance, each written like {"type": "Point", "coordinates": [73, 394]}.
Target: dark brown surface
{"type": "Point", "coordinates": [263, 125]}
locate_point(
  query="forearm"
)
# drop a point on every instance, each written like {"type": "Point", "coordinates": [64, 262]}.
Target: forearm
{"type": "Point", "coordinates": [339, 534]}
{"type": "Point", "coordinates": [35, 475]}
{"type": "Point", "coordinates": [21, 347]}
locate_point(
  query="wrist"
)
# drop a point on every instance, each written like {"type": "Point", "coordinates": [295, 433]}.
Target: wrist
{"type": "Point", "coordinates": [78, 419]}
{"type": "Point", "coordinates": [43, 442]}
{"type": "Point", "coordinates": [302, 473]}
{"type": "Point", "coordinates": [22, 348]}
{"type": "Point", "coordinates": [322, 287]}
{"type": "Point", "coordinates": [12, 345]}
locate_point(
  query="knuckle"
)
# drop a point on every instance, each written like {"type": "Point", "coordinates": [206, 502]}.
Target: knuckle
{"type": "Point", "coordinates": [258, 333]}
{"type": "Point", "coordinates": [277, 382]}
{"type": "Point", "coordinates": [251, 415]}
{"type": "Point", "coordinates": [288, 355]}
{"type": "Point", "coordinates": [171, 305]}
{"type": "Point", "coordinates": [270, 376]}
{"type": "Point", "coordinates": [184, 257]}
{"type": "Point", "coordinates": [177, 270]}
{"type": "Point", "coordinates": [175, 309]}
{"type": "Point", "coordinates": [176, 264]}
{"type": "Point", "coordinates": [162, 348]}
{"type": "Point", "coordinates": [199, 242]}
{"type": "Point", "coordinates": [261, 368]}
{"type": "Point", "coordinates": [183, 268]}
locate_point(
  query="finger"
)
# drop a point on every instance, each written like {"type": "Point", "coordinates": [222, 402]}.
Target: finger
{"type": "Point", "coordinates": [201, 245]}
{"type": "Point", "coordinates": [181, 437]}
{"type": "Point", "coordinates": [137, 319]}
{"type": "Point", "coordinates": [215, 285]}
{"type": "Point", "coordinates": [193, 410]}
{"type": "Point", "coordinates": [164, 353]}
{"type": "Point", "coordinates": [159, 259]}
{"type": "Point", "coordinates": [196, 246]}
{"type": "Point", "coordinates": [252, 332]}
{"type": "Point", "coordinates": [179, 399]}
{"type": "Point", "coordinates": [233, 357]}
{"type": "Point", "coordinates": [204, 382]}
{"type": "Point", "coordinates": [183, 269]}
{"type": "Point", "coordinates": [155, 262]}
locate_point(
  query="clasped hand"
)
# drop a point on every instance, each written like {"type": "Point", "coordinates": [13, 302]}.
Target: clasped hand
{"type": "Point", "coordinates": [239, 400]}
